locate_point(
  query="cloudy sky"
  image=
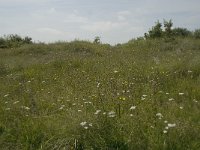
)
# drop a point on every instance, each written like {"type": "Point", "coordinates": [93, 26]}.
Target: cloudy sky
{"type": "Point", "coordinates": [115, 21]}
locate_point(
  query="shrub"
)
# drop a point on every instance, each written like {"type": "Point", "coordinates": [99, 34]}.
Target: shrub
{"type": "Point", "coordinates": [197, 33]}
{"type": "Point", "coordinates": [155, 32]}
{"type": "Point", "coordinates": [14, 40]}
{"type": "Point", "coordinates": [183, 32]}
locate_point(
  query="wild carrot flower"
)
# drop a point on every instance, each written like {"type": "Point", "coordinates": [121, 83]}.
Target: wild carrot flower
{"type": "Point", "coordinates": [16, 102]}
{"type": "Point", "coordinates": [171, 125]}
{"type": "Point", "coordinates": [159, 115]}
{"type": "Point", "coordinates": [111, 114]}
{"type": "Point", "coordinates": [181, 93]}
{"type": "Point", "coordinates": [133, 107]}
{"type": "Point", "coordinates": [83, 123]}
{"type": "Point", "coordinates": [25, 107]}
{"type": "Point", "coordinates": [6, 95]}
{"type": "Point", "coordinates": [164, 131]}
{"type": "Point", "coordinates": [7, 109]}
{"type": "Point", "coordinates": [97, 112]}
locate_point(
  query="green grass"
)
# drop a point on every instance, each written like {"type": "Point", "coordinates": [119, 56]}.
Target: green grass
{"type": "Point", "coordinates": [78, 95]}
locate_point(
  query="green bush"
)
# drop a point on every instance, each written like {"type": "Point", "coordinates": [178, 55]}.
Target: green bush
{"type": "Point", "coordinates": [14, 40]}
{"type": "Point", "coordinates": [183, 32]}
{"type": "Point", "coordinates": [197, 33]}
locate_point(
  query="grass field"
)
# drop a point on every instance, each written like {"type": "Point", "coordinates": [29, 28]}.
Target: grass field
{"type": "Point", "coordinates": [141, 95]}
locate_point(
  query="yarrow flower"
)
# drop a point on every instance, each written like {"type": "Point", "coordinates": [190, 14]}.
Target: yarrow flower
{"type": "Point", "coordinates": [181, 93]}
{"type": "Point", "coordinates": [171, 125]}
{"type": "Point", "coordinates": [181, 107]}
{"type": "Point", "coordinates": [24, 107]}
{"type": "Point", "coordinates": [62, 106]}
{"type": "Point", "coordinates": [133, 107]}
{"type": "Point", "coordinates": [111, 114]}
{"type": "Point", "coordinates": [6, 95]}
{"type": "Point", "coordinates": [159, 115]}
{"type": "Point", "coordinates": [165, 131]}
{"type": "Point", "coordinates": [97, 112]}
{"type": "Point", "coordinates": [16, 102]}
{"type": "Point", "coordinates": [83, 123]}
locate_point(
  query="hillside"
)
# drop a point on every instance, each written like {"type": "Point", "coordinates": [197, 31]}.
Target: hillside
{"type": "Point", "coordinates": [144, 94]}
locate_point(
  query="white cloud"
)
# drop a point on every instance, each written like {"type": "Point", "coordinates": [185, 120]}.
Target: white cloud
{"type": "Point", "coordinates": [103, 26]}
{"type": "Point", "coordinates": [74, 18]}
{"type": "Point", "coordinates": [48, 31]}
{"type": "Point", "coordinates": [124, 13]}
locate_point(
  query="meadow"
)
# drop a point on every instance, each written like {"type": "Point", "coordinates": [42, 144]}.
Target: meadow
{"type": "Point", "coordinates": [140, 95]}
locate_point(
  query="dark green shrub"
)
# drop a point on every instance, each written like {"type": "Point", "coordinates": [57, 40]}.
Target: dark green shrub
{"type": "Point", "coordinates": [14, 40]}
{"type": "Point", "coordinates": [155, 32]}
{"type": "Point", "coordinates": [182, 32]}
{"type": "Point", "coordinates": [197, 33]}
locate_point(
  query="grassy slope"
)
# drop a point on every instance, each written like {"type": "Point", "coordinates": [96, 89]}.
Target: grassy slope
{"type": "Point", "coordinates": [46, 91]}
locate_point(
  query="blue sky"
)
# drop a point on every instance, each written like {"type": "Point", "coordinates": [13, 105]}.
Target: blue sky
{"type": "Point", "coordinates": [115, 21]}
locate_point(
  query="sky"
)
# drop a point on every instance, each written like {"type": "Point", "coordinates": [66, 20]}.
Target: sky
{"type": "Point", "coordinates": [115, 21]}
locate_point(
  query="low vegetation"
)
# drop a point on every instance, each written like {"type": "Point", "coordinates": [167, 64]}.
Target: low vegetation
{"type": "Point", "coordinates": [143, 94]}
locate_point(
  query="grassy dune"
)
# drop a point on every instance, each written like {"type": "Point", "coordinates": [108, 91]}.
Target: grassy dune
{"type": "Point", "coordinates": [144, 94]}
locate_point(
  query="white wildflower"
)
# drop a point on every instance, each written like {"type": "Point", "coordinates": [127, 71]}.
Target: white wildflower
{"type": "Point", "coordinates": [195, 100]}
{"type": "Point", "coordinates": [181, 107]}
{"type": "Point", "coordinates": [165, 131]}
{"type": "Point", "coordinates": [133, 107]}
{"type": "Point", "coordinates": [111, 114]}
{"type": "Point", "coordinates": [159, 115]}
{"type": "Point", "coordinates": [16, 102]}
{"type": "Point", "coordinates": [115, 71]}
{"type": "Point", "coordinates": [86, 127]}
{"type": "Point", "coordinates": [6, 95]}
{"type": "Point", "coordinates": [83, 123]}
{"type": "Point", "coordinates": [25, 107]}
{"type": "Point", "coordinates": [181, 93]}
{"type": "Point", "coordinates": [165, 121]}
{"type": "Point", "coordinates": [171, 125]}
{"type": "Point", "coordinates": [171, 99]}
{"type": "Point", "coordinates": [97, 112]}
{"type": "Point", "coordinates": [131, 115]}
{"type": "Point", "coordinates": [98, 84]}
{"type": "Point", "coordinates": [152, 127]}
{"type": "Point", "coordinates": [62, 106]}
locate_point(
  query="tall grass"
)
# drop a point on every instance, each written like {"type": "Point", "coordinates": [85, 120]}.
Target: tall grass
{"type": "Point", "coordinates": [143, 94]}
